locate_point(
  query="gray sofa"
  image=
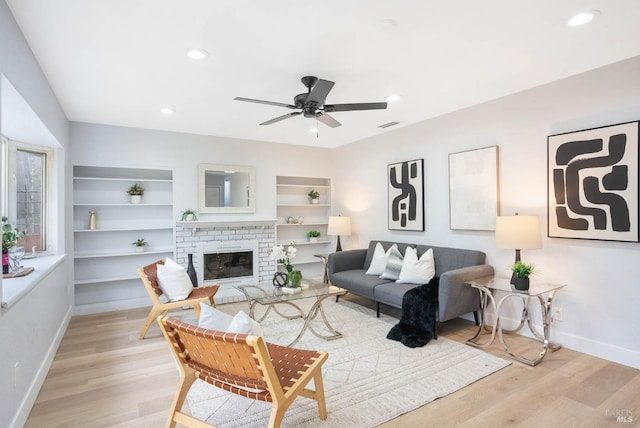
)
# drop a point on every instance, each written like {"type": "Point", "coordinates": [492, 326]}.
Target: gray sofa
{"type": "Point", "coordinates": [454, 266]}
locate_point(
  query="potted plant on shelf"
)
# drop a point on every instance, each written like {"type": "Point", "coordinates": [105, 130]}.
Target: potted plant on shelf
{"type": "Point", "coordinates": [313, 235]}
{"type": "Point", "coordinates": [136, 191]}
{"type": "Point", "coordinates": [10, 237]}
{"type": "Point", "coordinates": [521, 272]}
{"type": "Point", "coordinates": [189, 215]}
{"type": "Point", "coordinates": [314, 195]}
{"type": "Point", "coordinates": [140, 244]}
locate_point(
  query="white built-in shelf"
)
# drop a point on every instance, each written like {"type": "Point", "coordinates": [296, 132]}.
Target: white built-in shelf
{"type": "Point", "coordinates": [105, 262]}
{"type": "Point", "coordinates": [292, 200]}
{"type": "Point", "coordinates": [98, 255]}
{"type": "Point", "coordinates": [87, 204]}
{"type": "Point", "coordinates": [304, 242]}
{"type": "Point", "coordinates": [305, 186]}
{"type": "Point", "coordinates": [304, 205]}
{"type": "Point", "coordinates": [302, 224]}
{"type": "Point", "coordinates": [150, 180]}
{"type": "Point", "coordinates": [126, 229]}
{"type": "Point", "coordinates": [105, 279]}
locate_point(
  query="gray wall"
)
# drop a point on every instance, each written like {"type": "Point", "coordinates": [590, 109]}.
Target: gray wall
{"type": "Point", "coordinates": [600, 304]}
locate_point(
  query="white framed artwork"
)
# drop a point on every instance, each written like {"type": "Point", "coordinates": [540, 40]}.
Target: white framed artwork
{"type": "Point", "coordinates": [473, 189]}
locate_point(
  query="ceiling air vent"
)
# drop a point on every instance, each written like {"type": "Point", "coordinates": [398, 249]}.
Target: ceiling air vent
{"type": "Point", "coordinates": [389, 124]}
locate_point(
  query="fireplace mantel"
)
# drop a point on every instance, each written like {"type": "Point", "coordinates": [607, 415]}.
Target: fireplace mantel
{"type": "Point", "coordinates": [203, 224]}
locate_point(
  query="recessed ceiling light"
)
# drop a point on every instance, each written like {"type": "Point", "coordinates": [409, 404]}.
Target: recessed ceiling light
{"type": "Point", "coordinates": [392, 98]}
{"type": "Point", "coordinates": [167, 110]}
{"type": "Point", "coordinates": [583, 18]}
{"type": "Point", "coordinates": [195, 53]}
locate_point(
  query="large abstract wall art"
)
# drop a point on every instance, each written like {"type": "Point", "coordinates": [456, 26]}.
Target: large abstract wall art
{"type": "Point", "coordinates": [406, 195]}
{"type": "Point", "coordinates": [473, 189]}
{"type": "Point", "coordinates": [593, 183]}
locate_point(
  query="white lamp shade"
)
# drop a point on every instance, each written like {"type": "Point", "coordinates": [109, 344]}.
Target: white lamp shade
{"type": "Point", "coordinates": [339, 225]}
{"type": "Point", "coordinates": [518, 232]}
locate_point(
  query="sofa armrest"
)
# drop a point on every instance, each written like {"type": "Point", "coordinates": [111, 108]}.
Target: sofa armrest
{"type": "Point", "coordinates": [346, 260]}
{"type": "Point", "coordinates": [457, 299]}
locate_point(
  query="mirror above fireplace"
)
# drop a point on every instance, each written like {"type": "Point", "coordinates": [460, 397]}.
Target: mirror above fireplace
{"type": "Point", "coordinates": [226, 188]}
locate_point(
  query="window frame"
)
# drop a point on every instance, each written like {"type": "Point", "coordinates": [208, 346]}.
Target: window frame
{"type": "Point", "coordinates": [9, 184]}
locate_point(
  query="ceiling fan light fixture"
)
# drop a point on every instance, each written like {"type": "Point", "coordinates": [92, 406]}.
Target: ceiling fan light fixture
{"type": "Point", "coordinates": [197, 53]}
{"type": "Point", "coordinates": [583, 18]}
{"type": "Point", "coordinates": [314, 130]}
{"type": "Point", "coordinates": [167, 110]}
{"type": "Point", "coordinates": [392, 98]}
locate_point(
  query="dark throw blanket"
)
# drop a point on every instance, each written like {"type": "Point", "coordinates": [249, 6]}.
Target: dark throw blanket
{"type": "Point", "coordinates": [418, 322]}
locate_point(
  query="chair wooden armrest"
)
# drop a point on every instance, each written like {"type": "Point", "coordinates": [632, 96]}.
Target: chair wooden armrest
{"type": "Point", "coordinates": [149, 276]}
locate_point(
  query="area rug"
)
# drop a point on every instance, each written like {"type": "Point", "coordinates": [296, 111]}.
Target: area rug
{"type": "Point", "coordinates": [368, 379]}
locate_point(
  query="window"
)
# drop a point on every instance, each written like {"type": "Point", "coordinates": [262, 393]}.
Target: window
{"type": "Point", "coordinates": [25, 189]}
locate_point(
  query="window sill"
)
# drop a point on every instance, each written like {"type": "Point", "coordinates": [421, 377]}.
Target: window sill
{"type": "Point", "coordinates": [13, 289]}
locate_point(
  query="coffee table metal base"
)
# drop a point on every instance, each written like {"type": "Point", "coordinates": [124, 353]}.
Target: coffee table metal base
{"type": "Point", "coordinates": [313, 312]}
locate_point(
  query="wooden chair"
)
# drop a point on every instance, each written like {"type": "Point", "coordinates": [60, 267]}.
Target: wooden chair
{"type": "Point", "coordinates": [149, 276]}
{"type": "Point", "coordinates": [244, 365]}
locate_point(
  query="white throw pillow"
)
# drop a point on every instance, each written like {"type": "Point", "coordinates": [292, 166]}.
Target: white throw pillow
{"type": "Point", "coordinates": [174, 281]}
{"type": "Point", "coordinates": [378, 261]}
{"type": "Point", "coordinates": [416, 271]}
{"type": "Point", "coordinates": [244, 324]}
{"type": "Point", "coordinates": [213, 319]}
{"type": "Point", "coordinates": [394, 264]}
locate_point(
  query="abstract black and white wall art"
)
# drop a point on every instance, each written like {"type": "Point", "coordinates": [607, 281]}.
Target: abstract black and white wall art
{"type": "Point", "coordinates": [473, 189]}
{"type": "Point", "coordinates": [406, 195]}
{"type": "Point", "coordinates": [593, 183]}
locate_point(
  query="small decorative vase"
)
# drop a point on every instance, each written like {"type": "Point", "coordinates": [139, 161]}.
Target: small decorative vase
{"type": "Point", "coordinates": [280, 279]}
{"type": "Point", "coordinates": [313, 240]}
{"type": "Point", "coordinates": [191, 271]}
{"type": "Point", "coordinates": [295, 278]}
{"type": "Point", "coordinates": [521, 283]}
{"type": "Point", "coordinates": [140, 249]}
{"type": "Point", "coordinates": [136, 199]}
{"type": "Point", "coordinates": [315, 201]}
{"type": "Point", "coordinates": [93, 224]}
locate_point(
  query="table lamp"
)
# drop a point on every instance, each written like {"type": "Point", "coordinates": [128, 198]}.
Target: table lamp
{"type": "Point", "coordinates": [339, 225]}
{"type": "Point", "coordinates": [518, 232]}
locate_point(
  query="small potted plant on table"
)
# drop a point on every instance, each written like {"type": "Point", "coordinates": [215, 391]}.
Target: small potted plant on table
{"type": "Point", "coordinates": [313, 235]}
{"type": "Point", "coordinates": [521, 273]}
{"type": "Point", "coordinates": [135, 192]}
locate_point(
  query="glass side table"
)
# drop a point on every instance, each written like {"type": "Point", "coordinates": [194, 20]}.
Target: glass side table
{"type": "Point", "coordinates": [542, 293]}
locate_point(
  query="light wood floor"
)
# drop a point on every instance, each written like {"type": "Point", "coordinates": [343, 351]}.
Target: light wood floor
{"type": "Point", "coordinates": [103, 376]}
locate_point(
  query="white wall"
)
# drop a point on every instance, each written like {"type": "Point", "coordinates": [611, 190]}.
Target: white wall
{"type": "Point", "coordinates": [601, 303]}
{"type": "Point", "coordinates": [103, 145]}
{"type": "Point", "coordinates": [31, 329]}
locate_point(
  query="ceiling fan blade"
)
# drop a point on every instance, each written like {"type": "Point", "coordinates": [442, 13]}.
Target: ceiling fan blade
{"type": "Point", "coordinates": [328, 120]}
{"type": "Point", "coordinates": [271, 103]}
{"type": "Point", "coordinates": [283, 117]}
{"type": "Point", "coordinates": [319, 93]}
{"type": "Point", "coordinates": [355, 106]}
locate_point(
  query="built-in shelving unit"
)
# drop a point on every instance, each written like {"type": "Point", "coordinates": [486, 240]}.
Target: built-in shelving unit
{"type": "Point", "coordinates": [105, 260]}
{"type": "Point", "coordinates": [292, 201]}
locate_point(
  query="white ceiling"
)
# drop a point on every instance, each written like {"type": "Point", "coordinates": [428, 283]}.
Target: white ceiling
{"type": "Point", "coordinates": [119, 61]}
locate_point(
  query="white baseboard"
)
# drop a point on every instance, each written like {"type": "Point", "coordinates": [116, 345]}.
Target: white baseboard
{"type": "Point", "coordinates": [607, 351]}
{"type": "Point", "coordinates": [34, 389]}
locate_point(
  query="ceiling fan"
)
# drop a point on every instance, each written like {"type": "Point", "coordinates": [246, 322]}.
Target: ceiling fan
{"type": "Point", "coordinates": [311, 103]}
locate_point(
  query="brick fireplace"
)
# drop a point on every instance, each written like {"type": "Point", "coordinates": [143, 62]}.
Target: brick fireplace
{"type": "Point", "coordinates": [233, 241]}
